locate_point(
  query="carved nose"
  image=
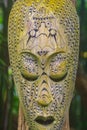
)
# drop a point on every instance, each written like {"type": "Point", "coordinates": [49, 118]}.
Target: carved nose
{"type": "Point", "coordinates": [43, 30]}
{"type": "Point", "coordinates": [44, 96]}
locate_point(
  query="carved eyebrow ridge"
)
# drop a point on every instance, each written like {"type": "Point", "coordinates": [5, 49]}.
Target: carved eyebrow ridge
{"type": "Point", "coordinates": [38, 57]}
{"type": "Point", "coordinates": [27, 52]}
{"type": "Point", "coordinates": [42, 34]}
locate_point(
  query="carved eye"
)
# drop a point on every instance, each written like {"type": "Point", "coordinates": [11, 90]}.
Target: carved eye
{"type": "Point", "coordinates": [52, 32]}
{"type": "Point", "coordinates": [37, 24]}
{"type": "Point", "coordinates": [58, 67]}
{"type": "Point", "coordinates": [32, 33]}
{"type": "Point", "coordinates": [29, 66]}
{"type": "Point", "coordinates": [48, 24]}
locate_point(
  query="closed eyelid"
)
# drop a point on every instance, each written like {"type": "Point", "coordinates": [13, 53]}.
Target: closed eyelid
{"type": "Point", "coordinates": [29, 53]}
{"type": "Point", "coordinates": [55, 54]}
{"type": "Point", "coordinates": [29, 66]}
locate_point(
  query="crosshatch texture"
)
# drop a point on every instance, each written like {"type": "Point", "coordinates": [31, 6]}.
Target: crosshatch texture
{"type": "Point", "coordinates": [43, 40]}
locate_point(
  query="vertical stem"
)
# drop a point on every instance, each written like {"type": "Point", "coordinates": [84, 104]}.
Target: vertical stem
{"type": "Point", "coordinates": [21, 121]}
{"type": "Point", "coordinates": [4, 56]}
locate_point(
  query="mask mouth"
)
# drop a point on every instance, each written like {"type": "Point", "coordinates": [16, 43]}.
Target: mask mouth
{"type": "Point", "coordinates": [44, 120]}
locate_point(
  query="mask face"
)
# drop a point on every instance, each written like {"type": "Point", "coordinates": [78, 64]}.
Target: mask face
{"type": "Point", "coordinates": [43, 47]}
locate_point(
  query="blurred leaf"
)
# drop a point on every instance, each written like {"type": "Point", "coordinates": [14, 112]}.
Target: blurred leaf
{"type": "Point", "coordinates": [9, 71]}
{"type": "Point", "coordinates": [2, 62]}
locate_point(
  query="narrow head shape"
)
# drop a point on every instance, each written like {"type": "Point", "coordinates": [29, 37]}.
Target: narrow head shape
{"type": "Point", "coordinates": [43, 38]}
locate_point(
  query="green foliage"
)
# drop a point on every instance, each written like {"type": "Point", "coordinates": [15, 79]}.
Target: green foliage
{"type": "Point", "coordinates": [8, 97]}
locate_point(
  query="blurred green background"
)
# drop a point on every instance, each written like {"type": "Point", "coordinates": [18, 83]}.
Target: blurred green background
{"type": "Point", "coordinates": [8, 96]}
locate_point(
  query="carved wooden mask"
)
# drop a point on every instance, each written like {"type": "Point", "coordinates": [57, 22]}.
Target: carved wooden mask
{"type": "Point", "coordinates": [43, 48]}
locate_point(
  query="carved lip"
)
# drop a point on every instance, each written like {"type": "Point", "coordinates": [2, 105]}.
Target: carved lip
{"type": "Point", "coordinates": [45, 120]}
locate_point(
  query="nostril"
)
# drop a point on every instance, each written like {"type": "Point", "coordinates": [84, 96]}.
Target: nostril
{"type": "Point", "coordinates": [42, 53]}
{"type": "Point", "coordinates": [44, 89]}
{"type": "Point", "coordinates": [44, 82]}
{"type": "Point", "coordinates": [44, 73]}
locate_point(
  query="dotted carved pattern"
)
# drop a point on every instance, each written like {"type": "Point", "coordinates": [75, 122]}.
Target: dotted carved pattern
{"type": "Point", "coordinates": [32, 69]}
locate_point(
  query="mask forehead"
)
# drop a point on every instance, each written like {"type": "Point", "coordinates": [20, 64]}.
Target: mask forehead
{"type": "Point", "coordinates": [42, 33]}
{"type": "Point", "coordinates": [64, 21]}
